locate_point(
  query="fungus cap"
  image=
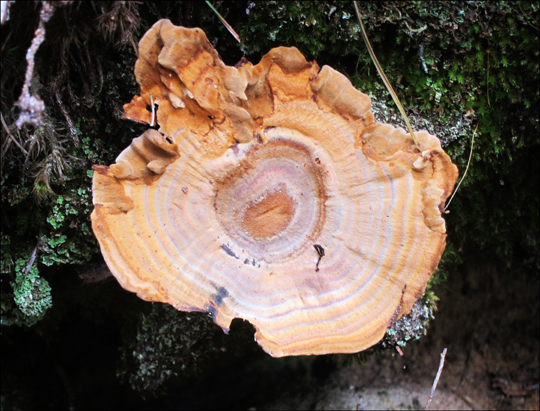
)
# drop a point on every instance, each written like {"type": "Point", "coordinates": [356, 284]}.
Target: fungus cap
{"type": "Point", "coordinates": [269, 194]}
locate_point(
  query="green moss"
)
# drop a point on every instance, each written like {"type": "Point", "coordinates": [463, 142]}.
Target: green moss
{"type": "Point", "coordinates": [454, 65]}
{"type": "Point", "coordinates": [31, 294]}
{"type": "Point", "coordinates": [169, 344]}
{"type": "Point", "coordinates": [72, 241]}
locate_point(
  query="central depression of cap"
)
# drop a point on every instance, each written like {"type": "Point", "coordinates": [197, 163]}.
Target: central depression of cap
{"type": "Point", "coordinates": [272, 204]}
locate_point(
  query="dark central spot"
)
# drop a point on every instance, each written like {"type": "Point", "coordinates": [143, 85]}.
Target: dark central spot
{"type": "Point", "coordinates": [267, 218]}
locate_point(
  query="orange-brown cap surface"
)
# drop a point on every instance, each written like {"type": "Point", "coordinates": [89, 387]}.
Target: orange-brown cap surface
{"type": "Point", "coordinates": [269, 194]}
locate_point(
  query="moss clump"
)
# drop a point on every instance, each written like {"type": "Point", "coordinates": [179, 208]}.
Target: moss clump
{"type": "Point", "coordinates": [70, 217]}
{"type": "Point", "coordinates": [169, 344]}
{"type": "Point", "coordinates": [32, 295]}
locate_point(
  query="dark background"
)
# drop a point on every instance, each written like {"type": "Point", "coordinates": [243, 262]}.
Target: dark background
{"type": "Point", "coordinates": [100, 347]}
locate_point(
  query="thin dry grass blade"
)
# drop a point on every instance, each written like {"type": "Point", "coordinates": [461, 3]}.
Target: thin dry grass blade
{"type": "Point", "coordinates": [231, 30]}
{"type": "Point", "coordinates": [383, 76]}
{"type": "Point", "coordinates": [467, 169]}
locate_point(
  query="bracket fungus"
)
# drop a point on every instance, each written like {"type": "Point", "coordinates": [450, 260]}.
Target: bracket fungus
{"type": "Point", "coordinates": [269, 193]}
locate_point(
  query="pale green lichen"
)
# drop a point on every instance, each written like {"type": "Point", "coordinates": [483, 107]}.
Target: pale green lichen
{"type": "Point", "coordinates": [412, 326]}
{"type": "Point", "coordinates": [452, 127]}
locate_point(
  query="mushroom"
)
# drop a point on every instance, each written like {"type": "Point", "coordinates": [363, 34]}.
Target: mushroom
{"type": "Point", "coordinates": [270, 194]}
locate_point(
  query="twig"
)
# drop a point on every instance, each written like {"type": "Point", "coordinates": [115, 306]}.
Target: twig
{"type": "Point", "coordinates": [523, 14]}
{"type": "Point", "coordinates": [464, 174]}
{"type": "Point", "coordinates": [72, 129]}
{"type": "Point", "coordinates": [419, 30]}
{"type": "Point", "coordinates": [32, 258]}
{"type": "Point", "coordinates": [32, 106]}
{"type": "Point", "coordinates": [11, 136]}
{"type": "Point", "coordinates": [383, 76]}
{"type": "Point", "coordinates": [4, 15]}
{"type": "Point", "coordinates": [436, 381]}
{"type": "Point", "coordinates": [134, 46]}
{"type": "Point", "coordinates": [399, 350]}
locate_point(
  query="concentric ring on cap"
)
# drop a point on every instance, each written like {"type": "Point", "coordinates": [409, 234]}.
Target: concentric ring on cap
{"type": "Point", "coordinates": [273, 200]}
